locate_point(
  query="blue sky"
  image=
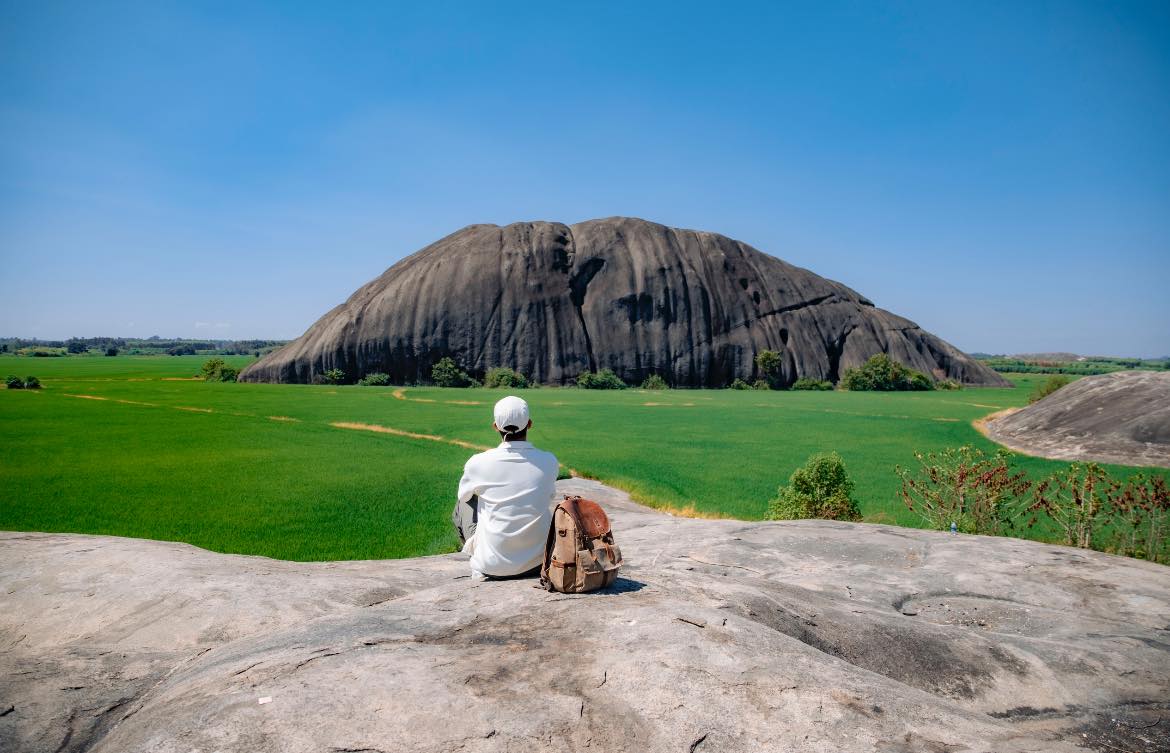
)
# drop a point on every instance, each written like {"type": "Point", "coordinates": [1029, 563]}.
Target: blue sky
{"type": "Point", "coordinates": [997, 172]}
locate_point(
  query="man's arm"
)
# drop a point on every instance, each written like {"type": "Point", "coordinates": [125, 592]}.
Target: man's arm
{"type": "Point", "coordinates": [469, 484]}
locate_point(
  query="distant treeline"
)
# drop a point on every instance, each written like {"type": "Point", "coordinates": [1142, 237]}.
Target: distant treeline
{"type": "Point", "coordinates": [133, 346]}
{"type": "Point", "coordinates": [1080, 367]}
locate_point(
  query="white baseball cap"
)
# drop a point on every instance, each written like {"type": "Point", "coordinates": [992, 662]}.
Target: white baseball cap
{"type": "Point", "coordinates": [511, 411]}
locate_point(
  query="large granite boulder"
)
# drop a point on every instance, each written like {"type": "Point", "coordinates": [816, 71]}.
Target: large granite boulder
{"type": "Point", "coordinates": [1122, 417]}
{"type": "Point", "coordinates": [554, 300]}
{"type": "Point", "coordinates": [720, 636]}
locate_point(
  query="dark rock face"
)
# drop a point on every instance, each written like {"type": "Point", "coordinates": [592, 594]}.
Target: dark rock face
{"type": "Point", "coordinates": [554, 300]}
{"type": "Point", "coordinates": [1112, 418]}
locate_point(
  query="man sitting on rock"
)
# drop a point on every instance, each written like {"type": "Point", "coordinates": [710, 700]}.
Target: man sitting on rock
{"type": "Point", "coordinates": [505, 499]}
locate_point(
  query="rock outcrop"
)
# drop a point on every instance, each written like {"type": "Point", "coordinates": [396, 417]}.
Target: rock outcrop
{"type": "Point", "coordinates": [554, 300]}
{"type": "Point", "coordinates": [720, 636]}
{"type": "Point", "coordinates": [1122, 417]}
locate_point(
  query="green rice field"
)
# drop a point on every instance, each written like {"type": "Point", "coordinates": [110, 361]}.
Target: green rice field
{"type": "Point", "coordinates": [130, 446]}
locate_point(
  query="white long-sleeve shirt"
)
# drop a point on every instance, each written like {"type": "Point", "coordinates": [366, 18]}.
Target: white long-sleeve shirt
{"type": "Point", "coordinates": [515, 483]}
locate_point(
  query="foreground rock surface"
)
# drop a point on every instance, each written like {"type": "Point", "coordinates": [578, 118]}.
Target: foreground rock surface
{"type": "Point", "coordinates": [1122, 417]}
{"type": "Point", "coordinates": [555, 300]}
{"type": "Point", "coordinates": [721, 636]}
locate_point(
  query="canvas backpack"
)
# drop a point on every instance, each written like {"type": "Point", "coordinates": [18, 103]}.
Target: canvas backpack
{"type": "Point", "coordinates": [579, 555]}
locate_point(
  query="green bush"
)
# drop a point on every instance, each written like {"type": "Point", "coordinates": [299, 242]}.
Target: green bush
{"type": "Point", "coordinates": [111, 351]}
{"type": "Point", "coordinates": [808, 383]}
{"type": "Point", "coordinates": [446, 373]}
{"type": "Point", "coordinates": [947, 384]}
{"type": "Point", "coordinates": [761, 384]}
{"type": "Point", "coordinates": [32, 383]}
{"type": "Point", "coordinates": [333, 376]}
{"type": "Point", "coordinates": [920, 382]}
{"type": "Point", "coordinates": [819, 489]}
{"type": "Point", "coordinates": [216, 370]}
{"type": "Point", "coordinates": [739, 384]}
{"type": "Point", "coordinates": [210, 369]}
{"type": "Point", "coordinates": [601, 380]}
{"type": "Point", "coordinates": [771, 363]}
{"type": "Point", "coordinates": [1050, 385]}
{"type": "Point", "coordinates": [376, 379]}
{"type": "Point", "coordinates": [883, 374]}
{"type": "Point", "coordinates": [14, 382]}
{"type": "Point", "coordinates": [655, 382]}
{"type": "Point", "coordinates": [502, 376]}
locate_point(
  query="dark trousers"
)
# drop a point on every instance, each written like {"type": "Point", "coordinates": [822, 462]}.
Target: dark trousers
{"type": "Point", "coordinates": [465, 517]}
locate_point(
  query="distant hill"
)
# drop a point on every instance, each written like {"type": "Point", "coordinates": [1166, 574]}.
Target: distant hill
{"type": "Point", "coordinates": [555, 301]}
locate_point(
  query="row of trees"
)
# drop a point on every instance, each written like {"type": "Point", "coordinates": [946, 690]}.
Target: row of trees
{"type": "Point", "coordinates": [135, 346]}
{"type": "Point", "coordinates": [878, 373]}
{"type": "Point", "coordinates": [1085, 367]}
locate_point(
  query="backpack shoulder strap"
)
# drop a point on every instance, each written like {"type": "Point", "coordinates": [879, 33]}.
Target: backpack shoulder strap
{"type": "Point", "coordinates": [548, 547]}
{"type": "Point", "coordinates": [570, 507]}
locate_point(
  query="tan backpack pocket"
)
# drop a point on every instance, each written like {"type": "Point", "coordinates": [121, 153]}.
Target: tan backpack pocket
{"type": "Point", "coordinates": [562, 575]}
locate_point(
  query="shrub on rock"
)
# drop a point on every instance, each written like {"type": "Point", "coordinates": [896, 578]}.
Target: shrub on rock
{"type": "Point", "coordinates": [819, 489]}
{"type": "Point", "coordinates": [739, 384]}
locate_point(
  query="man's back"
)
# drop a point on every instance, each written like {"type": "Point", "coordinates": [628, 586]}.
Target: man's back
{"type": "Point", "coordinates": [515, 483]}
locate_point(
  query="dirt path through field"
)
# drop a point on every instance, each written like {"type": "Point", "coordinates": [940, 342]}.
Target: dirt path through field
{"type": "Point", "coordinates": [400, 394]}
{"type": "Point", "coordinates": [403, 433]}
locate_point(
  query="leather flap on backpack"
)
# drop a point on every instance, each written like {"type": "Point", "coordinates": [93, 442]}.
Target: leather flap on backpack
{"type": "Point", "coordinates": [590, 516]}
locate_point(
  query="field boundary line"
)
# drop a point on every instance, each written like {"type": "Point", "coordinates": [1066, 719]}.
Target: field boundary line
{"type": "Point", "coordinates": [980, 424]}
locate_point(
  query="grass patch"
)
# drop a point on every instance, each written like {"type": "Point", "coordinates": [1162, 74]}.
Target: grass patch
{"type": "Point", "coordinates": [346, 472]}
